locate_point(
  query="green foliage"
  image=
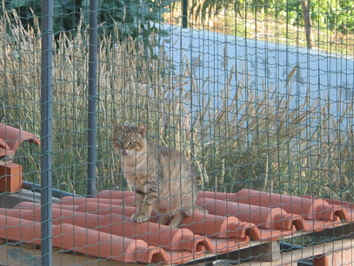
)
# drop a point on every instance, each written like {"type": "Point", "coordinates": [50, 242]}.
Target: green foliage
{"type": "Point", "coordinates": [66, 13]}
{"type": "Point", "coordinates": [135, 19]}
{"type": "Point", "coordinates": [336, 15]}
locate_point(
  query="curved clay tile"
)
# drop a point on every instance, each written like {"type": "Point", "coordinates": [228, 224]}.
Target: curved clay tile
{"type": "Point", "coordinates": [31, 205]}
{"type": "Point", "coordinates": [263, 217]}
{"type": "Point", "coordinates": [19, 229]}
{"type": "Point", "coordinates": [20, 213]}
{"type": "Point", "coordinates": [104, 208]}
{"type": "Point", "coordinates": [115, 194]}
{"type": "Point", "coordinates": [218, 226]}
{"type": "Point", "coordinates": [13, 138]}
{"type": "Point", "coordinates": [103, 225]}
{"type": "Point", "coordinates": [308, 208]}
{"type": "Point", "coordinates": [163, 236]}
{"type": "Point", "coordinates": [234, 220]}
{"type": "Point", "coordinates": [347, 208]}
{"type": "Point", "coordinates": [83, 240]}
{"type": "Point", "coordinates": [95, 243]}
{"type": "Point", "coordinates": [69, 200]}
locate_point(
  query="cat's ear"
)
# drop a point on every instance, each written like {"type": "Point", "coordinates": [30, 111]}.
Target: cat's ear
{"type": "Point", "coordinates": [142, 130]}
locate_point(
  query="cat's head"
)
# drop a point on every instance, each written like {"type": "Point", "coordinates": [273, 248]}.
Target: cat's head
{"type": "Point", "coordinates": [129, 139]}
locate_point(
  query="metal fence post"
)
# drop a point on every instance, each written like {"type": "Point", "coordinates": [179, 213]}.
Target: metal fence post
{"type": "Point", "coordinates": [92, 128]}
{"type": "Point", "coordinates": [46, 132]}
{"type": "Point", "coordinates": [184, 13]}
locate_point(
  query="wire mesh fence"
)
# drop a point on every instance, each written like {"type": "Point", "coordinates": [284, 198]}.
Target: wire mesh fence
{"type": "Point", "coordinates": [176, 131]}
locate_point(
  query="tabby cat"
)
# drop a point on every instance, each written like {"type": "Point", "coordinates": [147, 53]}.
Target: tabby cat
{"type": "Point", "coordinates": [163, 179]}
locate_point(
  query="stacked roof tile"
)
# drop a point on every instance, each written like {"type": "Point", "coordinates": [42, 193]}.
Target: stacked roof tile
{"type": "Point", "coordinates": [101, 226]}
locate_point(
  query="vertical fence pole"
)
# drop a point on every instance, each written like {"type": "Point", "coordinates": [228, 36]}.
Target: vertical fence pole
{"type": "Point", "coordinates": [184, 13]}
{"type": "Point", "coordinates": [92, 130]}
{"type": "Point", "coordinates": [46, 132]}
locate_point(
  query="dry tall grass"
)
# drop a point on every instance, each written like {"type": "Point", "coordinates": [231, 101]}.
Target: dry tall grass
{"type": "Point", "coordinates": [243, 137]}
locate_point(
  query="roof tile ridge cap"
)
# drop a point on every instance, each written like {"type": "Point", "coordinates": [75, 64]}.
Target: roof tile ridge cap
{"type": "Point", "coordinates": [336, 209]}
{"type": "Point", "coordinates": [227, 226]}
{"type": "Point", "coordinates": [269, 194]}
{"type": "Point", "coordinates": [309, 209]}
{"type": "Point", "coordinates": [33, 214]}
{"type": "Point", "coordinates": [136, 250]}
{"type": "Point", "coordinates": [330, 212]}
{"type": "Point", "coordinates": [247, 212]}
{"type": "Point", "coordinates": [79, 200]}
{"type": "Point", "coordinates": [24, 214]}
{"type": "Point", "coordinates": [345, 210]}
{"type": "Point", "coordinates": [170, 238]}
{"type": "Point", "coordinates": [182, 239]}
{"type": "Point", "coordinates": [153, 251]}
{"type": "Point", "coordinates": [21, 136]}
{"type": "Point", "coordinates": [216, 195]}
{"type": "Point", "coordinates": [321, 209]}
{"type": "Point", "coordinates": [9, 229]}
{"type": "Point", "coordinates": [25, 205]}
{"type": "Point", "coordinates": [205, 242]}
{"type": "Point", "coordinates": [338, 202]}
{"type": "Point", "coordinates": [105, 220]}
{"type": "Point", "coordinates": [232, 227]}
{"type": "Point", "coordinates": [130, 249]}
{"type": "Point", "coordinates": [210, 224]}
{"type": "Point", "coordinates": [248, 231]}
{"type": "Point", "coordinates": [273, 217]}
{"type": "Point", "coordinates": [123, 194]}
{"type": "Point", "coordinates": [103, 208]}
{"type": "Point", "coordinates": [251, 192]}
{"type": "Point", "coordinates": [289, 221]}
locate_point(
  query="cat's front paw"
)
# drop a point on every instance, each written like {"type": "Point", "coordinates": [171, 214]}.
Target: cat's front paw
{"type": "Point", "coordinates": [140, 218]}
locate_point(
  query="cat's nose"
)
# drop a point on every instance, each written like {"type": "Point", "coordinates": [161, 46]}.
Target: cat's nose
{"type": "Point", "coordinates": [124, 151]}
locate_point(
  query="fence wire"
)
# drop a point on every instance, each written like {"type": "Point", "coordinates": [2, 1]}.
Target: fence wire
{"type": "Point", "coordinates": [251, 100]}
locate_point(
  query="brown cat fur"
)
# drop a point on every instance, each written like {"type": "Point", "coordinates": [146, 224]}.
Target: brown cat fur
{"type": "Point", "coordinates": [163, 179]}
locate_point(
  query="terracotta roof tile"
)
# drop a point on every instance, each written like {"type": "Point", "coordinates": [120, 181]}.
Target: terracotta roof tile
{"type": "Point", "coordinates": [219, 226]}
{"type": "Point", "coordinates": [101, 226]}
{"type": "Point", "coordinates": [338, 257]}
{"type": "Point", "coordinates": [68, 200]}
{"type": "Point", "coordinates": [164, 236]}
{"type": "Point", "coordinates": [308, 208]}
{"type": "Point", "coordinates": [96, 243]}
{"type": "Point", "coordinates": [115, 194]}
{"type": "Point", "coordinates": [11, 138]}
{"type": "Point", "coordinates": [263, 217]}
{"type": "Point", "coordinates": [105, 208]}
{"type": "Point", "coordinates": [347, 207]}
{"type": "Point", "coordinates": [30, 205]}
